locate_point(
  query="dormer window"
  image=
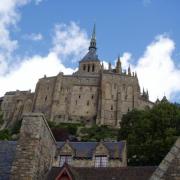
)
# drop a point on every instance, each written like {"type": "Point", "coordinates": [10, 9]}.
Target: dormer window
{"type": "Point", "coordinates": [65, 159]}
{"type": "Point", "coordinates": [101, 161]}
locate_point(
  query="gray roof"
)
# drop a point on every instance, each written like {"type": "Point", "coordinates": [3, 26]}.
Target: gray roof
{"type": "Point", "coordinates": [91, 55]}
{"type": "Point", "coordinates": [86, 149]}
{"type": "Point", "coordinates": [7, 153]}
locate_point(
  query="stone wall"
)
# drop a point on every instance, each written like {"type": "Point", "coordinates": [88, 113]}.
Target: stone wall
{"type": "Point", "coordinates": [35, 150]}
{"type": "Point", "coordinates": [169, 168]}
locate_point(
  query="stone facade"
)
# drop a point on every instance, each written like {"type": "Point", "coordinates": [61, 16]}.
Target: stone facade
{"type": "Point", "coordinates": [35, 149]}
{"type": "Point", "coordinates": [90, 95]}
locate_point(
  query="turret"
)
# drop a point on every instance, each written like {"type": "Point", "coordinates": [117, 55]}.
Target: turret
{"type": "Point", "coordinates": [118, 66]}
{"type": "Point", "coordinates": [129, 71]}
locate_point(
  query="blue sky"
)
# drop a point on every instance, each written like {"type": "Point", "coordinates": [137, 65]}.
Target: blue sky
{"type": "Point", "coordinates": [145, 33]}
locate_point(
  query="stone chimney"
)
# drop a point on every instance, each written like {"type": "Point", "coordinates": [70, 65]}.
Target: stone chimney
{"type": "Point", "coordinates": [35, 149]}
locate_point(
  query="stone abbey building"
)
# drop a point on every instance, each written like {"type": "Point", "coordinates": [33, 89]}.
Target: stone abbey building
{"type": "Point", "coordinates": [90, 95]}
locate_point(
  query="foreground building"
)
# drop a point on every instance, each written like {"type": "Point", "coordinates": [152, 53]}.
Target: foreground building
{"type": "Point", "coordinates": [37, 156]}
{"type": "Point", "coordinates": [91, 95]}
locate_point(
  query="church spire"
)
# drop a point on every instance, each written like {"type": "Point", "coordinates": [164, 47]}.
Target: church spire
{"type": "Point", "coordinates": [93, 39]}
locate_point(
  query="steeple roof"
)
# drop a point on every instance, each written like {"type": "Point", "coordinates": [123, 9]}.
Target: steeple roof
{"type": "Point", "coordinates": [91, 55]}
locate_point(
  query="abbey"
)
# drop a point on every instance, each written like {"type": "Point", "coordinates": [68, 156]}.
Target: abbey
{"type": "Point", "coordinates": [92, 94]}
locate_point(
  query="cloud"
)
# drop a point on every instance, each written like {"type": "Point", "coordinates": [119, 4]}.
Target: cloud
{"type": "Point", "coordinates": [156, 69]}
{"type": "Point", "coordinates": [33, 37]}
{"type": "Point", "coordinates": [70, 41]}
{"type": "Point", "coordinates": [9, 16]}
{"type": "Point", "coordinates": [25, 74]}
{"type": "Point", "coordinates": [37, 2]}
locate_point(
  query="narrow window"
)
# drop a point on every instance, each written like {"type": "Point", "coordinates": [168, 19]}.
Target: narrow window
{"type": "Point", "coordinates": [84, 67]}
{"type": "Point", "coordinates": [93, 68]}
{"type": "Point", "coordinates": [76, 102]}
{"type": "Point", "coordinates": [111, 107]}
{"type": "Point", "coordinates": [88, 67]}
{"type": "Point", "coordinates": [45, 99]}
{"type": "Point", "coordinates": [92, 97]}
{"type": "Point", "coordinates": [79, 96]}
{"type": "Point", "coordinates": [87, 103]}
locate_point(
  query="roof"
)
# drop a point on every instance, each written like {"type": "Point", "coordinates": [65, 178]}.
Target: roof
{"type": "Point", "coordinates": [109, 173]}
{"type": "Point", "coordinates": [91, 55]}
{"type": "Point", "coordinates": [7, 154]}
{"type": "Point", "coordinates": [86, 149]}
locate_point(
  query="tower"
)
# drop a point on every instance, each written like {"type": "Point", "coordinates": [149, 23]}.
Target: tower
{"type": "Point", "coordinates": [90, 63]}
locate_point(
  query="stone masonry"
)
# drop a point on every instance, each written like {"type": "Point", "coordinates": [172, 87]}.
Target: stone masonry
{"type": "Point", "coordinates": [92, 94]}
{"type": "Point", "coordinates": [35, 149]}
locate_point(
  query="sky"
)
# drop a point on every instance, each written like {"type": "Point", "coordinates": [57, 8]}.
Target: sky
{"type": "Point", "coordinates": [39, 37]}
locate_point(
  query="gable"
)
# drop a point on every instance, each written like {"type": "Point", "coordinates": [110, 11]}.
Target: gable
{"type": "Point", "coordinates": [101, 149]}
{"type": "Point", "coordinates": [66, 149]}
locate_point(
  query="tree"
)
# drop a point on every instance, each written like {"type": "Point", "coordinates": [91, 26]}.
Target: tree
{"type": "Point", "coordinates": [150, 133]}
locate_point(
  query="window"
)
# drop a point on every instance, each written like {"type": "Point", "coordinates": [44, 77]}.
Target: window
{"type": "Point", "coordinates": [92, 97]}
{"type": "Point", "coordinates": [111, 107]}
{"type": "Point", "coordinates": [84, 67]}
{"type": "Point", "coordinates": [45, 99]}
{"type": "Point", "coordinates": [76, 102]}
{"type": "Point", "coordinates": [93, 68]}
{"type": "Point", "coordinates": [87, 103]}
{"type": "Point", "coordinates": [79, 96]}
{"type": "Point", "coordinates": [101, 161]}
{"type": "Point", "coordinates": [65, 159]}
{"type": "Point", "coordinates": [88, 67]}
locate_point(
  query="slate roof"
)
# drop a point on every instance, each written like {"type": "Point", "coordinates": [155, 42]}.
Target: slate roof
{"type": "Point", "coordinates": [91, 55]}
{"type": "Point", "coordinates": [7, 153]}
{"type": "Point", "coordinates": [109, 173]}
{"type": "Point", "coordinates": [86, 149]}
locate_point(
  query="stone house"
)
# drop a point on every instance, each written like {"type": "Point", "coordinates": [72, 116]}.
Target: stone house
{"type": "Point", "coordinates": [37, 156]}
{"type": "Point", "coordinates": [90, 95]}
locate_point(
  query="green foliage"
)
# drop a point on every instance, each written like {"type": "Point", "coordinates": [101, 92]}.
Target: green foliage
{"type": "Point", "coordinates": [97, 133]}
{"type": "Point", "coordinates": [150, 133]}
{"type": "Point", "coordinates": [16, 127]}
{"type": "Point", "coordinates": [1, 118]}
{"type": "Point", "coordinates": [5, 135]}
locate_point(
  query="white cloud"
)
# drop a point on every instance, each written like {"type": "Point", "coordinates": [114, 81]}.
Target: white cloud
{"type": "Point", "coordinates": [26, 73]}
{"type": "Point", "coordinates": [156, 69]}
{"type": "Point", "coordinates": [9, 16]}
{"type": "Point", "coordinates": [33, 37]}
{"type": "Point", "coordinates": [37, 2]}
{"type": "Point", "coordinates": [70, 41]}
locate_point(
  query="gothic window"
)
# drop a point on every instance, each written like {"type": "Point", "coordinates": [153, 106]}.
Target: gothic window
{"type": "Point", "coordinates": [88, 67]}
{"type": "Point", "coordinates": [84, 67]}
{"type": "Point", "coordinates": [93, 68]}
{"type": "Point", "coordinates": [65, 159]}
{"type": "Point", "coordinates": [101, 161]}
